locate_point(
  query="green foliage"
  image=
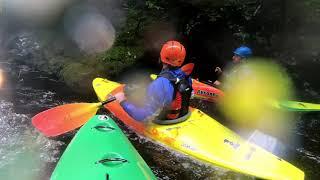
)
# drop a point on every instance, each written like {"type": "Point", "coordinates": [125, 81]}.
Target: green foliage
{"type": "Point", "coordinates": [129, 34]}
{"type": "Point", "coordinates": [254, 22]}
{"type": "Point", "coordinates": [110, 64]}
{"type": "Point", "coordinates": [315, 4]}
{"type": "Point", "coordinates": [153, 4]}
{"type": "Point", "coordinates": [139, 17]}
{"type": "Point", "coordinates": [119, 58]}
{"type": "Point", "coordinates": [123, 54]}
{"type": "Point", "coordinates": [77, 75]}
{"type": "Point", "coordinates": [312, 9]}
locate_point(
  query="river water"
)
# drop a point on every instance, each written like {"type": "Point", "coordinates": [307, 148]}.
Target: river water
{"type": "Point", "coordinates": [26, 154]}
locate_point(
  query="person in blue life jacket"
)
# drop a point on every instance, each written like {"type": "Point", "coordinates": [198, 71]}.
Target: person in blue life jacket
{"type": "Point", "coordinates": [239, 55]}
{"type": "Point", "coordinates": [167, 97]}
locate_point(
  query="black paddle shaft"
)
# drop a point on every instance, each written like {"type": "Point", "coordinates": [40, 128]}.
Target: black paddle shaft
{"type": "Point", "coordinates": [108, 100]}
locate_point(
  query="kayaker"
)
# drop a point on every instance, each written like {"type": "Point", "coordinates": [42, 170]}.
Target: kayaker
{"type": "Point", "coordinates": [168, 96]}
{"type": "Point", "coordinates": [239, 55]}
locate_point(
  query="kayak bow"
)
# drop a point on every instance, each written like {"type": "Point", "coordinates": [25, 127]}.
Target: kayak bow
{"type": "Point", "coordinates": [100, 150]}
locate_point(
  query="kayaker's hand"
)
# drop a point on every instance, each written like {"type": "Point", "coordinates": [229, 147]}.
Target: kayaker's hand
{"type": "Point", "coordinates": [218, 70]}
{"type": "Point", "coordinates": [217, 83]}
{"type": "Point", "coordinates": [120, 97]}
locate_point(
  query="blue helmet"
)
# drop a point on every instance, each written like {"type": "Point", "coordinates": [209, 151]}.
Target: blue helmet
{"type": "Point", "coordinates": [243, 52]}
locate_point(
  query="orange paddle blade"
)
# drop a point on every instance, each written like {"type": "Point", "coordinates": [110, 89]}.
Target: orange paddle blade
{"type": "Point", "coordinates": [64, 118]}
{"type": "Point", "coordinates": [188, 68]}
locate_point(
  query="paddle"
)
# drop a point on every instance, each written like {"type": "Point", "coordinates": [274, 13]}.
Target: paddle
{"type": "Point", "coordinates": [187, 68]}
{"type": "Point", "coordinates": [64, 118]}
{"type": "Point", "coordinates": [297, 106]}
{"type": "Point", "coordinates": [287, 105]}
{"type": "Point", "coordinates": [209, 93]}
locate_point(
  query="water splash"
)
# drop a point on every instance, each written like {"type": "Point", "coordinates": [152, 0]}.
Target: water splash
{"type": "Point", "coordinates": [22, 148]}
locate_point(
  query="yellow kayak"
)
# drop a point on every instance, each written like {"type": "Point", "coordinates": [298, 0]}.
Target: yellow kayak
{"type": "Point", "coordinates": [205, 139]}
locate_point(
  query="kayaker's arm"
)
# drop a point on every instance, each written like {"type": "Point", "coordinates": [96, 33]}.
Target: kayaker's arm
{"type": "Point", "coordinates": [159, 94]}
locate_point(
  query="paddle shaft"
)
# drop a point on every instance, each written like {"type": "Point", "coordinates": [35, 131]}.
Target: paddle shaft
{"type": "Point", "coordinates": [108, 100]}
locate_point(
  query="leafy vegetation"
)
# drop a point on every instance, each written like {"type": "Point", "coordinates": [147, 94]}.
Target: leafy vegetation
{"type": "Point", "coordinates": [209, 29]}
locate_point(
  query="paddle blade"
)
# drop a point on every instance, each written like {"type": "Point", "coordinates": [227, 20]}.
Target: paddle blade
{"type": "Point", "coordinates": [64, 118]}
{"type": "Point", "coordinates": [188, 68]}
{"type": "Point", "coordinates": [298, 106]}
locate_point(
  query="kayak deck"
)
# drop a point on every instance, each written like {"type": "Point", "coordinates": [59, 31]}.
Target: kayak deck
{"type": "Point", "coordinates": [100, 150]}
{"type": "Point", "coordinates": [205, 139]}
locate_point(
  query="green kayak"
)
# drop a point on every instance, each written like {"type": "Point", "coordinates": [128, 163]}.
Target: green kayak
{"type": "Point", "coordinates": [100, 150]}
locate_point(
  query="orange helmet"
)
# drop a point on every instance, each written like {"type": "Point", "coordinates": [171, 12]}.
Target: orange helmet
{"type": "Point", "coordinates": [173, 53]}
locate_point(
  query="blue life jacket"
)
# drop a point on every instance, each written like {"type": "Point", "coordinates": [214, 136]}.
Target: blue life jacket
{"type": "Point", "coordinates": [160, 94]}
